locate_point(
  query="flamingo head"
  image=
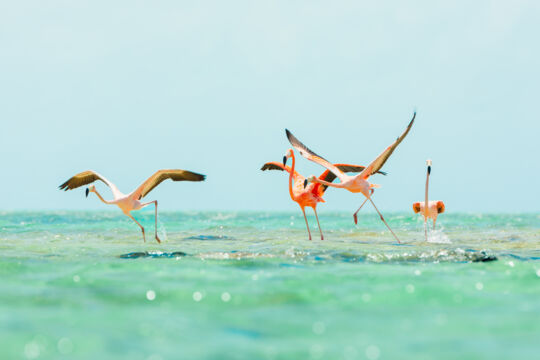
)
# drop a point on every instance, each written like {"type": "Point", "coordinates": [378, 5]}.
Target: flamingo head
{"type": "Point", "coordinates": [288, 155]}
{"type": "Point", "coordinates": [90, 189]}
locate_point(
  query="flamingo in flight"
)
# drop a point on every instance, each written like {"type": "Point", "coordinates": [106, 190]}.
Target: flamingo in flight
{"type": "Point", "coordinates": [429, 209]}
{"type": "Point", "coordinates": [357, 183]}
{"type": "Point", "coordinates": [308, 194]}
{"type": "Point", "coordinates": [130, 202]}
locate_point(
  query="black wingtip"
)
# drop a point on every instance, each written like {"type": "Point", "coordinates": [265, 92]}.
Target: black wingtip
{"type": "Point", "coordinates": [289, 134]}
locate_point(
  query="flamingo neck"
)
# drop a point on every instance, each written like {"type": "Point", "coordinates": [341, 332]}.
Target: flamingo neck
{"type": "Point", "coordinates": [291, 177]}
{"type": "Point", "coordinates": [426, 199]}
{"type": "Point", "coordinates": [322, 182]}
{"type": "Point", "coordinates": [102, 199]}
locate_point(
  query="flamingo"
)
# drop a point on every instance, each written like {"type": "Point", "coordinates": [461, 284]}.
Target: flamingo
{"type": "Point", "coordinates": [304, 194]}
{"type": "Point", "coordinates": [130, 202]}
{"type": "Point", "coordinates": [429, 209]}
{"type": "Point", "coordinates": [357, 183]}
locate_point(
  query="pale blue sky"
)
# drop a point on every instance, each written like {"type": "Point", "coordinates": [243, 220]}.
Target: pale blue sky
{"type": "Point", "coordinates": [129, 87]}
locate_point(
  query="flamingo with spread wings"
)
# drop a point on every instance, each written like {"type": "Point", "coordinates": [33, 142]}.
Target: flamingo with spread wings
{"type": "Point", "coordinates": [131, 201]}
{"type": "Point", "coordinates": [308, 194]}
{"type": "Point", "coordinates": [429, 209]}
{"type": "Point", "coordinates": [357, 183]}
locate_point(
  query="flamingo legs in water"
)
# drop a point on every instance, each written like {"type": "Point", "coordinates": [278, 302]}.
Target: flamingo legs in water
{"type": "Point", "coordinates": [425, 226]}
{"type": "Point", "coordinates": [354, 215]}
{"type": "Point", "coordinates": [142, 229]}
{"type": "Point", "coordinates": [155, 203]}
{"type": "Point", "coordinates": [307, 225]}
{"type": "Point", "coordinates": [384, 221]}
{"type": "Point", "coordinates": [318, 224]}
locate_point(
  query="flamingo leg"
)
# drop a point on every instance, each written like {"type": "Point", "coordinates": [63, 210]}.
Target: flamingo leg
{"type": "Point", "coordinates": [142, 228]}
{"type": "Point", "coordinates": [384, 221]}
{"type": "Point", "coordinates": [434, 221]}
{"type": "Point", "coordinates": [317, 217]}
{"type": "Point", "coordinates": [354, 215]}
{"type": "Point", "coordinates": [307, 225]}
{"type": "Point", "coordinates": [155, 203]}
{"type": "Point", "coordinates": [157, 238]}
{"type": "Point", "coordinates": [425, 227]}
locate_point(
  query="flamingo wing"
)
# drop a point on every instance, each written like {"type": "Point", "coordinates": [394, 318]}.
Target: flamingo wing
{"type": "Point", "coordinates": [272, 165]}
{"type": "Point", "coordinates": [330, 177]}
{"type": "Point", "coordinates": [378, 163]}
{"type": "Point", "coordinates": [162, 175]}
{"type": "Point", "coordinates": [310, 155]}
{"type": "Point", "coordinates": [88, 177]}
{"type": "Point", "coordinates": [440, 207]}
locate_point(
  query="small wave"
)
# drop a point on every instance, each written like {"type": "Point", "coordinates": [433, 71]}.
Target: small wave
{"type": "Point", "coordinates": [152, 254]}
{"type": "Point", "coordinates": [442, 255]}
{"type": "Point", "coordinates": [209, 237]}
{"type": "Point", "coordinates": [236, 255]}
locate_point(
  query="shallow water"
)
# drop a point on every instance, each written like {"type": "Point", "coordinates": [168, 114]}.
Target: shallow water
{"type": "Point", "coordinates": [83, 285]}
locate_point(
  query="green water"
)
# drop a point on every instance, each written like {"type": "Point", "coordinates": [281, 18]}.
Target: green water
{"type": "Point", "coordinates": [251, 286]}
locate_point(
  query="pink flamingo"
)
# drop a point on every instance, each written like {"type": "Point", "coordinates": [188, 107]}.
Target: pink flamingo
{"type": "Point", "coordinates": [429, 209]}
{"type": "Point", "coordinates": [308, 194]}
{"type": "Point", "coordinates": [128, 203]}
{"type": "Point", "coordinates": [357, 183]}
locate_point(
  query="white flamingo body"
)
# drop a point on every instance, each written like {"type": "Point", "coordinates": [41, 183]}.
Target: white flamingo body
{"type": "Point", "coordinates": [356, 184]}
{"type": "Point", "coordinates": [130, 202]}
{"type": "Point", "coordinates": [433, 209]}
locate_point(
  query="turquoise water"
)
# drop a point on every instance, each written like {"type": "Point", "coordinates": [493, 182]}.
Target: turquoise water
{"type": "Point", "coordinates": [251, 286]}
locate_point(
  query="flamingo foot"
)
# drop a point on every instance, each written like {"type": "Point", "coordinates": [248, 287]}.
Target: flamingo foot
{"type": "Point", "coordinates": [355, 219]}
{"type": "Point", "coordinates": [143, 235]}
{"type": "Point", "coordinates": [158, 240]}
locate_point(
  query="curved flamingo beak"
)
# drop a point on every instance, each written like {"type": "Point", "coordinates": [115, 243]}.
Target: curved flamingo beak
{"type": "Point", "coordinates": [87, 191]}
{"type": "Point", "coordinates": [429, 170]}
{"type": "Point", "coordinates": [284, 160]}
{"type": "Point", "coordinates": [305, 183]}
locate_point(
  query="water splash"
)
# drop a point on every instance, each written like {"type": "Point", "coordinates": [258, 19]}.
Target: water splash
{"type": "Point", "coordinates": [438, 237]}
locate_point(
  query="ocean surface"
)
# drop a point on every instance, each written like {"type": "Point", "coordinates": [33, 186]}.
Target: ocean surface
{"type": "Point", "coordinates": [247, 285]}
